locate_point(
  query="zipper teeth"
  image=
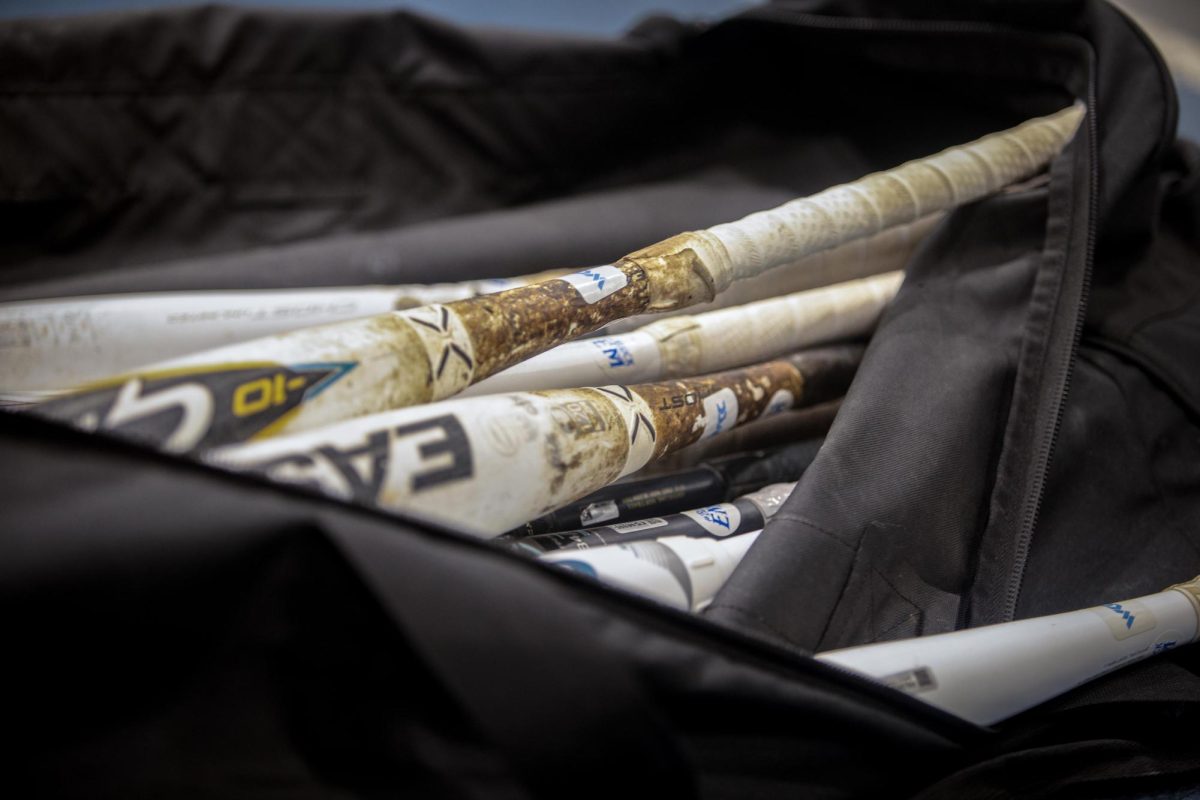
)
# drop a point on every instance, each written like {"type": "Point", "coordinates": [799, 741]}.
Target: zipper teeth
{"type": "Point", "coordinates": [1063, 372]}
{"type": "Point", "coordinates": [1033, 512]}
{"type": "Point", "coordinates": [1046, 452]}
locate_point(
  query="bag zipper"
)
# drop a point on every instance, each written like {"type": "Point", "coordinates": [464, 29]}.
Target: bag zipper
{"type": "Point", "coordinates": [1029, 523]}
{"type": "Point", "coordinates": [1063, 373]}
{"type": "Point", "coordinates": [1063, 368]}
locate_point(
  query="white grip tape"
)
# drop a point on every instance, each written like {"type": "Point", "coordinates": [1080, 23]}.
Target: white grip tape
{"type": "Point", "coordinates": [952, 177]}
{"type": "Point", "coordinates": [742, 335]}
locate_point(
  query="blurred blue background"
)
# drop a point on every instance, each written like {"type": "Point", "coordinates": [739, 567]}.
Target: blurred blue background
{"type": "Point", "coordinates": [602, 17]}
{"type": "Point", "coordinates": [1173, 24]}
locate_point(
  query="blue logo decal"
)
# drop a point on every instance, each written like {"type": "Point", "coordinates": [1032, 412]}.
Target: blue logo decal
{"type": "Point", "coordinates": [1125, 615]}
{"type": "Point", "coordinates": [578, 566]}
{"type": "Point", "coordinates": [615, 351]}
{"type": "Point", "coordinates": [599, 279]}
{"type": "Point", "coordinates": [1163, 647]}
{"type": "Point", "coordinates": [717, 515]}
{"type": "Point", "coordinates": [722, 415]}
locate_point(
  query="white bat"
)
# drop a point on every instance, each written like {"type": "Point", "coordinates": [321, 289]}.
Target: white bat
{"type": "Point", "coordinates": [886, 251]}
{"type": "Point", "coordinates": [316, 376]}
{"type": "Point", "coordinates": [693, 344]}
{"type": "Point", "coordinates": [683, 572]}
{"type": "Point", "coordinates": [488, 464]}
{"type": "Point", "coordinates": [50, 345]}
{"type": "Point", "coordinates": [990, 673]}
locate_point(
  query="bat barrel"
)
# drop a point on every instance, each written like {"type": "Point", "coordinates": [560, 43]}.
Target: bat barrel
{"type": "Point", "coordinates": [491, 463]}
{"type": "Point", "coordinates": [679, 571]}
{"type": "Point", "coordinates": [988, 674]}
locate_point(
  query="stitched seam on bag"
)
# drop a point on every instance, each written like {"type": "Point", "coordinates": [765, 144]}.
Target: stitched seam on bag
{"type": "Point", "coordinates": [752, 615]}
{"type": "Point", "coordinates": [800, 520]}
{"type": "Point", "coordinates": [32, 189]}
{"type": "Point", "coordinates": [916, 612]}
{"type": "Point", "coordinates": [841, 593]}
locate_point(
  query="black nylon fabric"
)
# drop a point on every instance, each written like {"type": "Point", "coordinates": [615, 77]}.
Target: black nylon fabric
{"type": "Point", "coordinates": [944, 533]}
{"type": "Point", "coordinates": [187, 633]}
{"type": "Point", "coordinates": [1023, 437]}
{"type": "Point", "coordinates": [159, 135]}
{"type": "Point", "coordinates": [581, 230]}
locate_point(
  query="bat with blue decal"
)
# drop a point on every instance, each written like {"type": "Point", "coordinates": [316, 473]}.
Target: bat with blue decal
{"type": "Point", "coordinates": [715, 481]}
{"type": "Point", "coordinates": [405, 358]}
{"type": "Point", "coordinates": [694, 344]}
{"type": "Point", "coordinates": [684, 572]}
{"type": "Point", "coordinates": [990, 673]}
{"type": "Point", "coordinates": [744, 514]}
{"type": "Point", "coordinates": [49, 345]}
{"type": "Point", "coordinates": [487, 464]}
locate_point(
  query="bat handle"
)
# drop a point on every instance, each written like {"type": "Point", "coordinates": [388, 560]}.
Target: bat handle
{"type": "Point", "coordinates": [1191, 590]}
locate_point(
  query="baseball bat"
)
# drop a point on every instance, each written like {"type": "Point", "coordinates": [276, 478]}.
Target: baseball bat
{"type": "Point", "coordinates": [744, 514]}
{"type": "Point", "coordinates": [316, 376]}
{"type": "Point", "coordinates": [990, 673]}
{"type": "Point", "coordinates": [49, 345]}
{"type": "Point", "coordinates": [692, 345]}
{"type": "Point", "coordinates": [683, 572]}
{"type": "Point", "coordinates": [715, 481]}
{"type": "Point", "coordinates": [487, 464]}
{"type": "Point", "coordinates": [796, 426]}
{"type": "Point", "coordinates": [886, 251]}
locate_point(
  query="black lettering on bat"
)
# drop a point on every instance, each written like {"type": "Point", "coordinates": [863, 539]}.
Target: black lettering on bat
{"type": "Point", "coordinates": [297, 469]}
{"type": "Point", "coordinates": [454, 443]}
{"type": "Point", "coordinates": [679, 401]}
{"type": "Point", "coordinates": [311, 469]}
{"type": "Point", "coordinates": [364, 487]}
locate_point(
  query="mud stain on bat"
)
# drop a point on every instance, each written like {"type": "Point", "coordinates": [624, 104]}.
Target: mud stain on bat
{"type": "Point", "coordinates": [409, 377]}
{"type": "Point", "coordinates": [680, 415]}
{"type": "Point", "coordinates": [511, 326]}
{"type": "Point", "coordinates": [677, 272]}
{"type": "Point", "coordinates": [586, 443]}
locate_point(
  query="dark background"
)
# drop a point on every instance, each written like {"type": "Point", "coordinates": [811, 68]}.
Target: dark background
{"type": "Point", "coordinates": [1173, 24]}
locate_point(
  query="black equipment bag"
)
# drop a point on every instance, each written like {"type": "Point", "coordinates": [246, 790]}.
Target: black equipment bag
{"type": "Point", "coordinates": [1023, 437]}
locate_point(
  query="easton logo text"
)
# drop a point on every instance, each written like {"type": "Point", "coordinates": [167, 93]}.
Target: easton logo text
{"type": "Point", "coordinates": [424, 454]}
{"type": "Point", "coordinates": [615, 351]}
{"type": "Point", "coordinates": [717, 515]}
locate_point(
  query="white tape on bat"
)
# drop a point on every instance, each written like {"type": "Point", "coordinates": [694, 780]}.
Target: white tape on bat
{"type": "Point", "coordinates": [955, 176]}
